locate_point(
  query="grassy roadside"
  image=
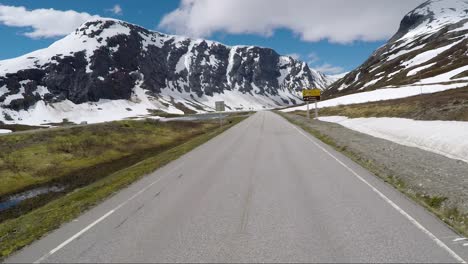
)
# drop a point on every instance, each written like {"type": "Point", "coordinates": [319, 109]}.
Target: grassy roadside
{"type": "Point", "coordinates": [19, 232]}
{"type": "Point", "coordinates": [452, 216]}
{"type": "Point", "coordinates": [446, 105]}
{"type": "Point", "coordinates": [161, 113]}
{"type": "Point", "coordinates": [78, 155]}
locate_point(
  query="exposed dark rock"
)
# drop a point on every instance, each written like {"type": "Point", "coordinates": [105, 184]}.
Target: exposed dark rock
{"type": "Point", "coordinates": [157, 61]}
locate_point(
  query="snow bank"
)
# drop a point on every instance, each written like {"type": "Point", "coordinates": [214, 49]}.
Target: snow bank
{"type": "Point", "coordinates": [448, 138]}
{"type": "Point", "coordinates": [4, 131]}
{"type": "Point", "coordinates": [380, 95]}
{"type": "Point", "coordinates": [139, 104]}
{"type": "Point", "coordinates": [444, 77]}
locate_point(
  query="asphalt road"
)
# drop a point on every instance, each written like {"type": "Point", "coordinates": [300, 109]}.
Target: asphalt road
{"type": "Point", "coordinates": [264, 191]}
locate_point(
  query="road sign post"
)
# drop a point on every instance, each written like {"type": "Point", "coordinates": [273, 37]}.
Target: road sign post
{"type": "Point", "coordinates": [220, 107]}
{"type": "Point", "coordinates": [316, 110]}
{"type": "Point", "coordinates": [311, 95]}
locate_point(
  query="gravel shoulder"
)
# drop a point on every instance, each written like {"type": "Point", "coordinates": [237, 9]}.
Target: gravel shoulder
{"type": "Point", "coordinates": [438, 182]}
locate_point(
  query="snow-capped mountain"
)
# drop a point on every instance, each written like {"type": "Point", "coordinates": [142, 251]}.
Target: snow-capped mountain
{"type": "Point", "coordinates": [322, 80]}
{"type": "Point", "coordinates": [109, 69]}
{"type": "Point", "coordinates": [430, 48]}
{"type": "Point", "coordinates": [335, 77]}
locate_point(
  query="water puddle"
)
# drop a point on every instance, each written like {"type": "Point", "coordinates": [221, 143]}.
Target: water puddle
{"type": "Point", "coordinates": [17, 198]}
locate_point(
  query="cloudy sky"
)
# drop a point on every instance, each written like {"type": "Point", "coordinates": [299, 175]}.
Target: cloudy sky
{"type": "Point", "coordinates": [331, 35]}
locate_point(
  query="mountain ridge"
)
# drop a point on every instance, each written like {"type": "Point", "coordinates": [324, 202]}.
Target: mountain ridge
{"type": "Point", "coordinates": [430, 47]}
{"type": "Point", "coordinates": [109, 59]}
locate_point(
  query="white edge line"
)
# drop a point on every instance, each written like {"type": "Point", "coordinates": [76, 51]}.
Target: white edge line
{"type": "Point", "coordinates": [386, 199]}
{"type": "Point", "coordinates": [74, 237]}
{"type": "Point", "coordinates": [68, 241]}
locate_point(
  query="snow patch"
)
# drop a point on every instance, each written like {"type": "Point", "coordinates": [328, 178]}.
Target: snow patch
{"type": "Point", "coordinates": [180, 66]}
{"type": "Point", "coordinates": [381, 95]}
{"type": "Point", "coordinates": [12, 97]}
{"type": "Point", "coordinates": [232, 52]}
{"type": "Point", "coordinates": [371, 82]}
{"type": "Point", "coordinates": [418, 69]}
{"type": "Point", "coordinates": [444, 12]}
{"type": "Point", "coordinates": [3, 90]}
{"type": "Point", "coordinates": [428, 55]}
{"type": "Point", "coordinates": [447, 138]}
{"type": "Point", "coordinates": [445, 77]}
{"type": "Point", "coordinates": [72, 43]}
{"type": "Point", "coordinates": [393, 73]}
{"type": "Point", "coordinates": [403, 52]}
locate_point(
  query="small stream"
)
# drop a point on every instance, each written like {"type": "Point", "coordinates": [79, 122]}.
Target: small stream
{"type": "Point", "coordinates": [18, 198]}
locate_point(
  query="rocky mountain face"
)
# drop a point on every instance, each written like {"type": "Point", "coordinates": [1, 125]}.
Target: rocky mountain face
{"type": "Point", "coordinates": [430, 48]}
{"type": "Point", "coordinates": [108, 59]}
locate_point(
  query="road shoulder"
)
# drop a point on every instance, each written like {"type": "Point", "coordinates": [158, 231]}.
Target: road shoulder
{"type": "Point", "coordinates": [433, 181]}
{"type": "Point", "coordinates": [24, 230]}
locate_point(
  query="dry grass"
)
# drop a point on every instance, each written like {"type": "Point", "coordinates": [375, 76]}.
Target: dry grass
{"type": "Point", "coordinates": [452, 216]}
{"type": "Point", "coordinates": [177, 138]}
{"type": "Point", "coordinates": [446, 105]}
{"type": "Point", "coordinates": [32, 159]}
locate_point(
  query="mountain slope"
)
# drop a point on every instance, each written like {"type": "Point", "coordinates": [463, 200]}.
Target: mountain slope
{"type": "Point", "coordinates": [335, 77]}
{"type": "Point", "coordinates": [109, 69]}
{"type": "Point", "coordinates": [430, 47]}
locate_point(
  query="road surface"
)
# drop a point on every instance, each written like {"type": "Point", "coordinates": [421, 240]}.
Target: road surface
{"type": "Point", "coordinates": [263, 191]}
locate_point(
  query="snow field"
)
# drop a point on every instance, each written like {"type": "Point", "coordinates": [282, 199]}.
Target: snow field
{"type": "Point", "coordinates": [447, 138]}
{"type": "Point", "coordinates": [380, 95]}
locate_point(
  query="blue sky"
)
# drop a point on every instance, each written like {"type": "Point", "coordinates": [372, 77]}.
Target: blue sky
{"type": "Point", "coordinates": [287, 35]}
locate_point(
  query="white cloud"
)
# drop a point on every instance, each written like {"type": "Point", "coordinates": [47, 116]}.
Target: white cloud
{"type": "Point", "coordinates": [45, 23]}
{"type": "Point", "coordinates": [117, 10]}
{"type": "Point", "coordinates": [335, 20]}
{"type": "Point", "coordinates": [328, 68]}
{"type": "Point", "coordinates": [312, 58]}
{"type": "Point", "coordinates": [295, 56]}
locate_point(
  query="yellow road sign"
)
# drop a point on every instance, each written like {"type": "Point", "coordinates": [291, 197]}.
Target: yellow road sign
{"type": "Point", "coordinates": [311, 94]}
